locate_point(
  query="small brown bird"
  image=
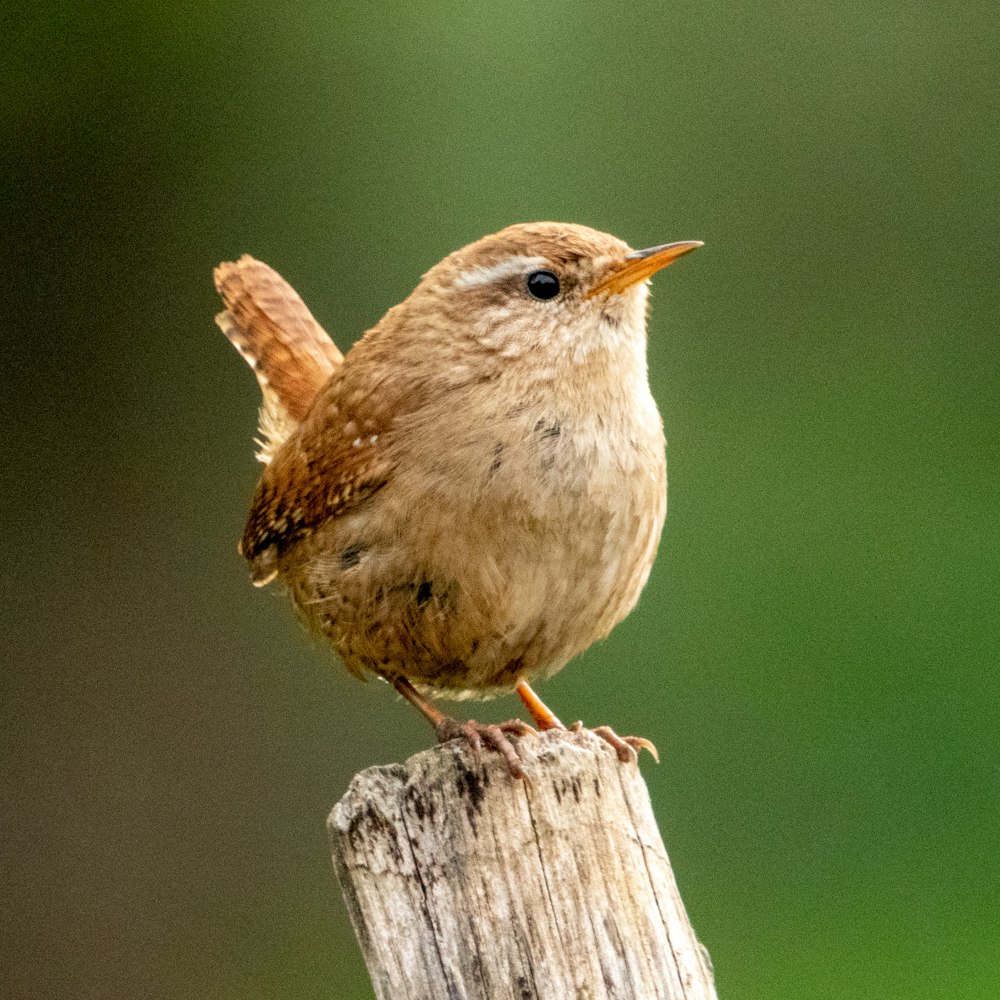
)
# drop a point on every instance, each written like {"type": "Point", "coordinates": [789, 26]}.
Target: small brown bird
{"type": "Point", "coordinates": [476, 492]}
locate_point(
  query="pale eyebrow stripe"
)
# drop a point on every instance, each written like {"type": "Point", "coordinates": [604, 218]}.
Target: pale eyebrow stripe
{"type": "Point", "coordinates": [505, 269]}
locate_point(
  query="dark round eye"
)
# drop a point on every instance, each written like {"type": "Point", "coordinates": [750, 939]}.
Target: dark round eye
{"type": "Point", "coordinates": [543, 285]}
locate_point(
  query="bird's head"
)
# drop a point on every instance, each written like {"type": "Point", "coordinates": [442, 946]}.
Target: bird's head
{"type": "Point", "coordinates": [548, 289]}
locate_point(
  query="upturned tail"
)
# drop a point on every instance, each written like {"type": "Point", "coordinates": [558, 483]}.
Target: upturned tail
{"type": "Point", "coordinates": [289, 352]}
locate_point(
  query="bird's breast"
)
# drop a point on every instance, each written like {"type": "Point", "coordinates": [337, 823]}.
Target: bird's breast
{"type": "Point", "coordinates": [502, 549]}
{"type": "Point", "coordinates": [553, 532]}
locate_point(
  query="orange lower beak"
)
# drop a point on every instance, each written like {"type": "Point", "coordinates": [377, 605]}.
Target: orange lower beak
{"type": "Point", "coordinates": [642, 264]}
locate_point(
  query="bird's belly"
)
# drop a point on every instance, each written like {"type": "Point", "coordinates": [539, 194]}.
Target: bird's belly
{"type": "Point", "coordinates": [465, 601]}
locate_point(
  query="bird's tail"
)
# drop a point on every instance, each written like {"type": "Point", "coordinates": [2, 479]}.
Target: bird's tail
{"type": "Point", "coordinates": [289, 352]}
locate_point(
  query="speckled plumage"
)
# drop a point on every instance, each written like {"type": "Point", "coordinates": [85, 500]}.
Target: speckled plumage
{"type": "Point", "coordinates": [476, 492]}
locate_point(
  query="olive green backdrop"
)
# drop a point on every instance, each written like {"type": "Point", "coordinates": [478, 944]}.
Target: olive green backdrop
{"type": "Point", "coordinates": [816, 653]}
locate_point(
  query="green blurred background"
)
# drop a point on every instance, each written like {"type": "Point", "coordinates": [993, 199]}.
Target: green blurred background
{"type": "Point", "coordinates": [816, 652]}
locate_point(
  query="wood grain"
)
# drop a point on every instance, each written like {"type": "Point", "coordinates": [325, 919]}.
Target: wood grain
{"type": "Point", "coordinates": [464, 883]}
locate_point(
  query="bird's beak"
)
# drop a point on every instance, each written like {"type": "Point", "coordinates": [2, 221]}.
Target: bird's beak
{"type": "Point", "coordinates": [642, 264]}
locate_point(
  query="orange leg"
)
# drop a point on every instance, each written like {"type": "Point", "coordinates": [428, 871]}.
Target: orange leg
{"type": "Point", "coordinates": [544, 717]}
{"type": "Point", "coordinates": [477, 733]}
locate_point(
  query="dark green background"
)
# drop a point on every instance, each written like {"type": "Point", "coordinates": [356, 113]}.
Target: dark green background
{"type": "Point", "coordinates": [816, 653]}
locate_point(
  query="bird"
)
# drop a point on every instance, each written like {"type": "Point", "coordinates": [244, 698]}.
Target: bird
{"type": "Point", "coordinates": [475, 492]}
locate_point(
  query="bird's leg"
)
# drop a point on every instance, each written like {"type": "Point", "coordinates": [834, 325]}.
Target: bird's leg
{"type": "Point", "coordinates": [494, 735]}
{"type": "Point", "coordinates": [627, 747]}
{"type": "Point", "coordinates": [421, 704]}
{"type": "Point", "coordinates": [544, 717]}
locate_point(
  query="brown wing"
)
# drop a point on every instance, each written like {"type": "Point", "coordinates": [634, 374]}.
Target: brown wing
{"type": "Point", "coordinates": [289, 352]}
{"type": "Point", "coordinates": [335, 460]}
{"type": "Point", "coordinates": [345, 449]}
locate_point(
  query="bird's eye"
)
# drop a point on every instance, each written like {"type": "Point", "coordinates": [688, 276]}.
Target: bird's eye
{"type": "Point", "coordinates": [543, 285]}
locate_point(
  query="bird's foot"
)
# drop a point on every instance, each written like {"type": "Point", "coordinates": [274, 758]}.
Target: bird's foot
{"type": "Point", "coordinates": [496, 736]}
{"type": "Point", "coordinates": [627, 747]}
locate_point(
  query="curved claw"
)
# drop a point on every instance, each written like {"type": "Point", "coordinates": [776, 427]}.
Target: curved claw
{"type": "Point", "coordinates": [641, 743]}
{"type": "Point", "coordinates": [494, 735]}
{"type": "Point", "coordinates": [627, 747]}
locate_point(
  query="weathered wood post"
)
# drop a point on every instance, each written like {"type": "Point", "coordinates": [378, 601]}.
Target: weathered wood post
{"type": "Point", "coordinates": [464, 883]}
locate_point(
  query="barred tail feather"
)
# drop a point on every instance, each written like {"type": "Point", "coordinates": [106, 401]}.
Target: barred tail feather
{"type": "Point", "coordinates": [291, 355]}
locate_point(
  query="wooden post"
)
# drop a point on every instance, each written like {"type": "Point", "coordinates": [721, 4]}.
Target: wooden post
{"type": "Point", "coordinates": [465, 884]}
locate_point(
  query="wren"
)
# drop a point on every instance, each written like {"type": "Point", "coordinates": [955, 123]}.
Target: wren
{"type": "Point", "coordinates": [475, 492]}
